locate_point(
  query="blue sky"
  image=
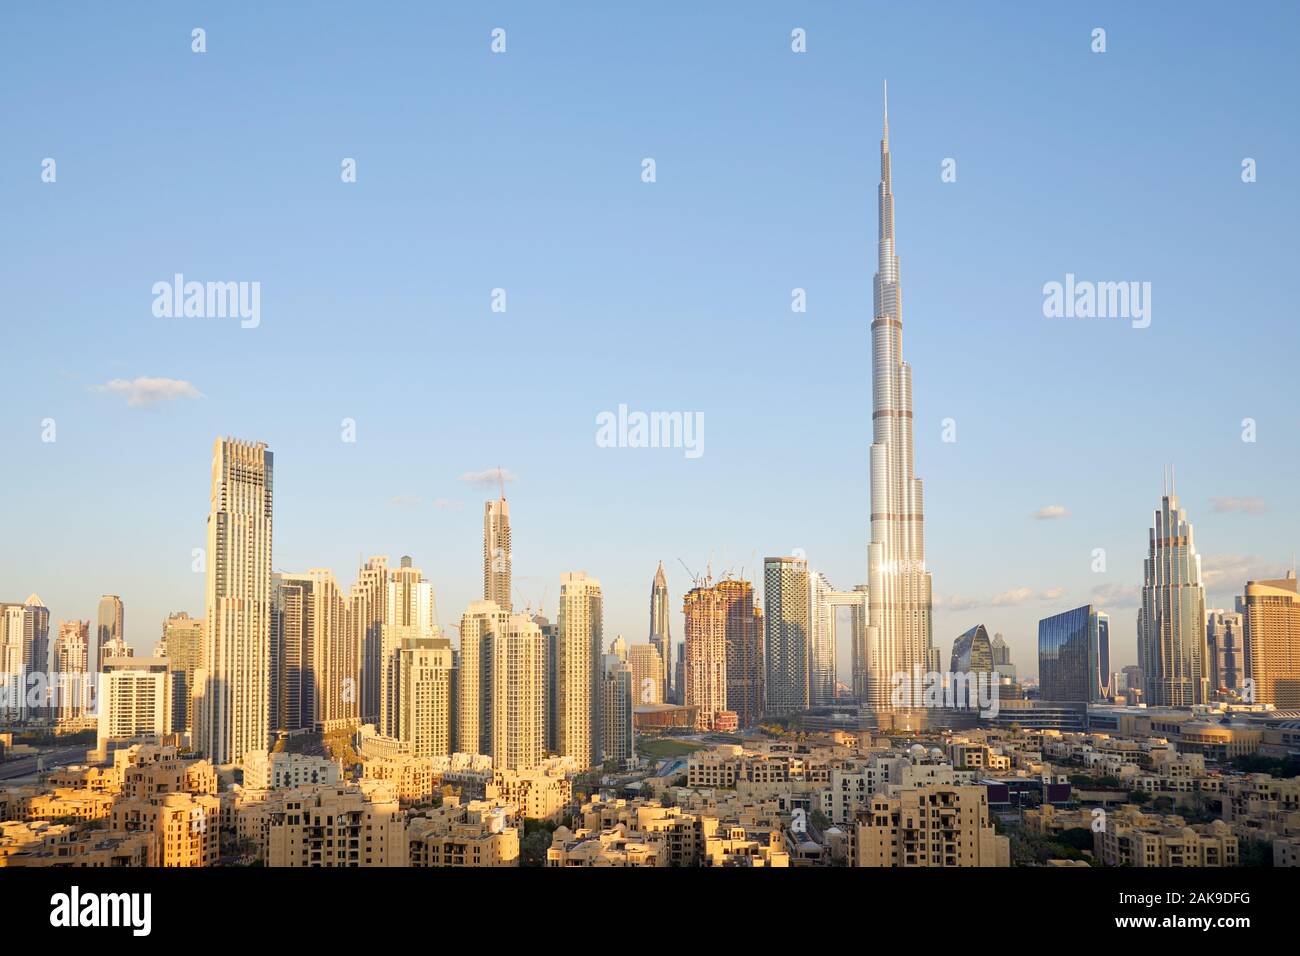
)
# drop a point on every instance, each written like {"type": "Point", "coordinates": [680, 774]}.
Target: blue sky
{"type": "Point", "coordinates": [522, 171]}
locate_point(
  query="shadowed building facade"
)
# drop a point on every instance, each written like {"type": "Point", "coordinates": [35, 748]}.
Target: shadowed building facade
{"type": "Point", "coordinates": [1074, 656]}
{"type": "Point", "coordinates": [972, 652]}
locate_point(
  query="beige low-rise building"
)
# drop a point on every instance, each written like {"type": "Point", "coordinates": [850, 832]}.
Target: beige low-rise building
{"type": "Point", "coordinates": [62, 805]}
{"type": "Point", "coordinates": [1168, 843]}
{"type": "Point", "coordinates": [283, 771]}
{"type": "Point", "coordinates": [410, 779]}
{"type": "Point", "coordinates": [81, 777]}
{"type": "Point", "coordinates": [1286, 851]}
{"type": "Point", "coordinates": [62, 845]}
{"type": "Point", "coordinates": [1270, 805]}
{"type": "Point", "coordinates": [681, 832]}
{"type": "Point", "coordinates": [337, 826]}
{"type": "Point", "coordinates": [736, 845]}
{"type": "Point", "coordinates": [475, 834]}
{"type": "Point", "coordinates": [542, 793]}
{"type": "Point", "coordinates": [183, 829]}
{"type": "Point", "coordinates": [937, 826]}
{"type": "Point", "coordinates": [614, 847]}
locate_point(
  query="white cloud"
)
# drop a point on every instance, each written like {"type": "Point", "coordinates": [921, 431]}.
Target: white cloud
{"type": "Point", "coordinates": [1012, 598]}
{"type": "Point", "coordinates": [447, 504]}
{"type": "Point", "coordinates": [1107, 596]}
{"type": "Point", "coordinates": [489, 476]}
{"type": "Point", "coordinates": [1252, 506]}
{"type": "Point", "coordinates": [954, 603]}
{"type": "Point", "coordinates": [143, 392]}
{"type": "Point", "coordinates": [405, 501]}
{"type": "Point", "coordinates": [1228, 573]}
{"type": "Point", "coordinates": [1050, 512]}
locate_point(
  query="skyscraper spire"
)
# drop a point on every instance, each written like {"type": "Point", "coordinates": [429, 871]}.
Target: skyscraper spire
{"type": "Point", "coordinates": [660, 630]}
{"type": "Point", "coordinates": [886, 139]}
{"type": "Point", "coordinates": [899, 629]}
{"type": "Point", "coordinates": [1172, 646]}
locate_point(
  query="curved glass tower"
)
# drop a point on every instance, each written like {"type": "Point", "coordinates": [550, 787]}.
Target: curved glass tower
{"type": "Point", "coordinates": [899, 612]}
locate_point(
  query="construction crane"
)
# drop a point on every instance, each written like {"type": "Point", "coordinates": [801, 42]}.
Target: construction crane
{"type": "Point", "coordinates": [696, 579]}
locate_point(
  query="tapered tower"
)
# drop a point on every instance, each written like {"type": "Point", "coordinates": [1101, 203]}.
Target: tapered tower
{"type": "Point", "coordinates": [898, 632]}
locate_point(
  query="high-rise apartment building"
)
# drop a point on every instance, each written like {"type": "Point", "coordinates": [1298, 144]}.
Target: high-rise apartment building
{"type": "Point", "coordinates": [496, 552]}
{"type": "Point", "coordinates": [1225, 639]}
{"type": "Point", "coordinates": [70, 676]}
{"type": "Point", "coordinates": [1172, 649]}
{"type": "Point", "coordinates": [1002, 658]}
{"type": "Point", "coordinates": [110, 627]}
{"type": "Point", "coordinates": [899, 623]}
{"type": "Point", "coordinates": [13, 671]}
{"type": "Point", "coordinates": [1074, 656]}
{"type": "Point", "coordinates": [821, 640]}
{"type": "Point", "coordinates": [424, 715]}
{"type": "Point", "coordinates": [551, 668]}
{"type": "Point", "coordinates": [647, 673]}
{"type": "Point", "coordinates": [233, 710]}
{"type": "Point", "coordinates": [36, 656]}
{"type": "Point", "coordinates": [744, 651]}
{"type": "Point", "coordinates": [501, 687]}
{"type": "Point", "coordinates": [706, 609]}
{"type": "Point", "coordinates": [474, 686]}
{"type": "Point", "coordinates": [1271, 610]}
{"type": "Point", "coordinates": [182, 640]}
{"type": "Point", "coordinates": [333, 657]}
{"type": "Point", "coordinates": [133, 699]}
{"type": "Point", "coordinates": [578, 669]}
{"type": "Point", "coordinates": [518, 700]}
{"type": "Point", "coordinates": [315, 654]}
{"type": "Point", "coordinates": [723, 653]}
{"type": "Point", "coordinates": [786, 622]}
{"type": "Point", "coordinates": [292, 608]}
{"type": "Point", "coordinates": [617, 698]}
{"type": "Point", "coordinates": [661, 628]}
{"type": "Point", "coordinates": [412, 613]}
{"type": "Point", "coordinates": [369, 608]}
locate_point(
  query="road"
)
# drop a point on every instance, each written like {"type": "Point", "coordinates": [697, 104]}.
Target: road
{"type": "Point", "coordinates": [26, 766]}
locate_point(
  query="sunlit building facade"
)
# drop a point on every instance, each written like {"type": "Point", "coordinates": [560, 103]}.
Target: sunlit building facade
{"type": "Point", "coordinates": [1172, 648]}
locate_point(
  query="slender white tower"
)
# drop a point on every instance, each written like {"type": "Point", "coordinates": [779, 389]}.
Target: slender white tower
{"type": "Point", "coordinates": [899, 615]}
{"type": "Point", "coordinates": [233, 709]}
{"type": "Point", "coordinates": [496, 550]}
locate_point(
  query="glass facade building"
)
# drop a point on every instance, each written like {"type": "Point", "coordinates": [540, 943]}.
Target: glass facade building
{"type": "Point", "coordinates": [1074, 656]}
{"type": "Point", "coordinates": [972, 652]}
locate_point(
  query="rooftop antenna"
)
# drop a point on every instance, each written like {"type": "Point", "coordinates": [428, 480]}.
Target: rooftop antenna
{"type": "Point", "coordinates": [501, 482]}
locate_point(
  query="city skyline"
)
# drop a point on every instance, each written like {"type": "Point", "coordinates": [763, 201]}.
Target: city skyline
{"type": "Point", "coordinates": [361, 371]}
{"type": "Point", "coordinates": [384, 495]}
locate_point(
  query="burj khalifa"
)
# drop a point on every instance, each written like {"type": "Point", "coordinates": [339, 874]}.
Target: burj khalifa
{"type": "Point", "coordinates": [899, 628]}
